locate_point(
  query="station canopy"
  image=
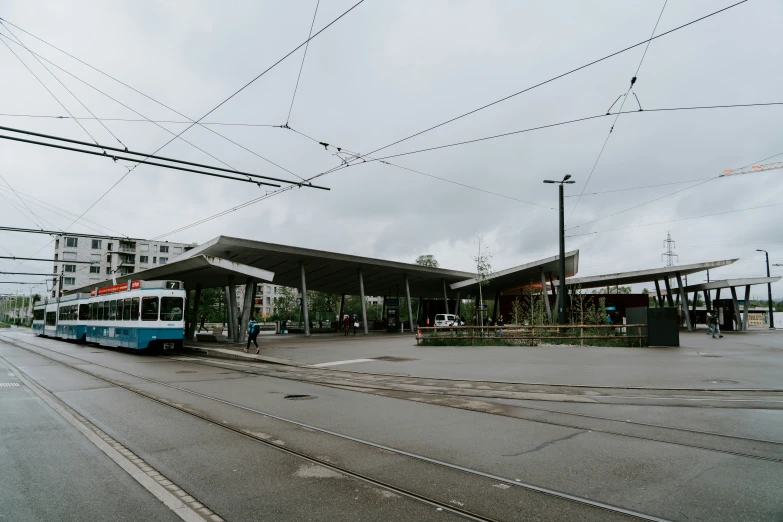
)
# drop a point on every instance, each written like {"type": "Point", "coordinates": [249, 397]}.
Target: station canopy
{"type": "Point", "coordinates": [645, 276]}
{"type": "Point", "coordinates": [731, 283]}
{"type": "Point", "coordinates": [208, 271]}
{"type": "Point", "coordinates": [513, 279]}
{"type": "Point", "coordinates": [330, 272]}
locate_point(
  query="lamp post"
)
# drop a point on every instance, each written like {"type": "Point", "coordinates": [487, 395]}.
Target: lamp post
{"type": "Point", "coordinates": [561, 318]}
{"type": "Point", "coordinates": [769, 292]}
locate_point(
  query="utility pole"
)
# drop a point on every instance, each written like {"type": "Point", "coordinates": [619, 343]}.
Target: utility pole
{"type": "Point", "coordinates": [769, 293]}
{"type": "Point", "coordinates": [562, 305]}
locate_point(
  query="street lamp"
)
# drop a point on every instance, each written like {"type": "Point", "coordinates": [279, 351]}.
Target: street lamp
{"type": "Point", "coordinates": [561, 318]}
{"type": "Point", "coordinates": [769, 292]}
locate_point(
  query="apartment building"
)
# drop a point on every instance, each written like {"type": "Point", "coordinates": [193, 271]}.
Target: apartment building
{"type": "Point", "coordinates": [264, 300]}
{"type": "Point", "coordinates": [107, 258]}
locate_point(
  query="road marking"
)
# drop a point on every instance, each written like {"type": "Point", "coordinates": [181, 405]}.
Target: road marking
{"type": "Point", "coordinates": [8, 384]}
{"type": "Point", "coordinates": [176, 499]}
{"type": "Point", "coordinates": [335, 363]}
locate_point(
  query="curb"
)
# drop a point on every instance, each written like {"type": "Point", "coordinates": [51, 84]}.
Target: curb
{"type": "Point", "coordinates": [224, 353]}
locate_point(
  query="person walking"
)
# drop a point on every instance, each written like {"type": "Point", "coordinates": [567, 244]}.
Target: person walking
{"type": "Point", "coordinates": [203, 320]}
{"type": "Point", "coordinates": [253, 328]}
{"type": "Point", "coordinates": [346, 323]}
{"type": "Point", "coordinates": [355, 324]}
{"type": "Point", "coordinates": [709, 322]}
{"type": "Point", "coordinates": [716, 324]}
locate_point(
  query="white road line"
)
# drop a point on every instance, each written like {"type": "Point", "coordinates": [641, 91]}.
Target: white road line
{"type": "Point", "coordinates": [335, 363]}
{"type": "Point", "coordinates": [146, 477]}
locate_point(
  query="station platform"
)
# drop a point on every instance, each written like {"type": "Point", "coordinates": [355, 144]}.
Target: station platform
{"type": "Point", "coordinates": [751, 359]}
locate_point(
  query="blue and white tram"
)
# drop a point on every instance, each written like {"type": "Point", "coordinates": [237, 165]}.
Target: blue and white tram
{"type": "Point", "coordinates": [136, 314]}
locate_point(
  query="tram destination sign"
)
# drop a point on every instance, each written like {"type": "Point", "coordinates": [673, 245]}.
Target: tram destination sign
{"type": "Point", "coordinates": [113, 289]}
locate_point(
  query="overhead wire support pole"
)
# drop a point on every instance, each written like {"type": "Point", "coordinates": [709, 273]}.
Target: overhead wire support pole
{"type": "Point", "coordinates": [153, 156]}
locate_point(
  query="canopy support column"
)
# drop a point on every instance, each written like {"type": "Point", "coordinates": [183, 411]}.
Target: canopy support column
{"type": "Point", "coordinates": [457, 305]}
{"type": "Point", "coordinates": [250, 288]}
{"type": "Point", "coordinates": [736, 308]}
{"type": "Point", "coordinates": [232, 314]}
{"type": "Point", "coordinates": [340, 316]}
{"type": "Point", "coordinates": [669, 298]}
{"type": "Point", "coordinates": [707, 301]}
{"type": "Point", "coordinates": [659, 302]}
{"type": "Point", "coordinates": [305, 311]}
{"type": "Point", "coordinates": [408, 300]}
{"type": "Point", "coordinates": [364, 304]}
{"type": "Point", "coordinates": [445, 296]}
{"type": "Point", "coordinates": [495, 308]}
{"type": "Point", "coordinates": [545, 295]}
{"type": "Point", "coordinates": [745, 312]}
{"type": "Point", "coordinates": [194, 314]}
{"type": "Point", "coordinates": [684, 298]}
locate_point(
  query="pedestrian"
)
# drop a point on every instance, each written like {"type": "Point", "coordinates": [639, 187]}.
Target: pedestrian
{"type": "Point", "coordinates": [428, 321]}
{"type": "Point", "coordinates": [709, 322]}
{"type": "Point", "coordinates": [320, 323]}
{"type": "Point", "coordinates": [716, 325]}
{"type": "Point", "coordinates": [355, 324]}
{"type": "Point", "coordinates": [253, 328]}
{"type": "Point", "coordinates": [500, 320]}
{"type": "Point", "coordinates": [346, 323]}
{"type": "Point", "coordinates": [203, 320]}
{"type": "Point", "coordinates": [608, 319]}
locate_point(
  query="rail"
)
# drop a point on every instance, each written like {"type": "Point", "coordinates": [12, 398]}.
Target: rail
{"type": "Point", "coordinates": [531, 334]}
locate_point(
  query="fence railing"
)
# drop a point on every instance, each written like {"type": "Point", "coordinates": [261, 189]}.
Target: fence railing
{"type": "Point", "coordinates": [583, 333]}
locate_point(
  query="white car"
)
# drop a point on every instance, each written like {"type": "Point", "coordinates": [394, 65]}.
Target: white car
{"type": "Point", "coordinates": [445, 320]}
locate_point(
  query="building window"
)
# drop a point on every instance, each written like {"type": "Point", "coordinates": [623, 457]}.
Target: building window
{"type": "Point", "coordinates": [69, 256]}
{"type": "Point", "coordinates": [55, 269]}
{"type": "Point", "coordinates": [69, 268]}
{"type": "Point", "coordinates": [55, 257]}
{"type": "Point", "coordinates": [177, 250]}
{"type": "Point", "coordinates": [109, 246]}
{"type": "Point", "coordinates": [154, 260]}
{"type": "Point", "coordinates": [144, 248]}
{"type": "Point", "coordinates": [70, 281]}
{"type": "Point", "coordinates": [108, 270]}
{"type": "Point", "coordinates": [96, 244]}
{"type": "Point", "coordinates": [144, 259]}
{"type": "Point", "coordinates": [164, 249]}
{"type": "Point", "coordinates": [71, 242]}
{"type": "Point", "coordinates": [95, 270]}
{"type": "Point", "coordinates": [164, 260]}
{"type": "Point", "coordinates": [108, 258]}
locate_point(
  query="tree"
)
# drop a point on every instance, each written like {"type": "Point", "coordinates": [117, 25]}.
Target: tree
{"type": "Point", "coordinates": [427, 260]}
{"type": "Point", "coordinates": [650, 300]}
{"type": "Point", "coordinates": [483, 267]}
{"type": "Point", "coordinates": [285, 305]}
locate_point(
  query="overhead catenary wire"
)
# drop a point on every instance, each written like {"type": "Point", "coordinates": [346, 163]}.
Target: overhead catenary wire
{"type": "Point", "coordinates": [640, 187]}
{"type": "Point", "coordinates": [138, 120]}
{"type": "Point", "coordinates": [158, 124]}
{"type": "Point", "coordinates": [677, 219]}
{"type": "Point", "coordinates": [301, 66]}
{"type": "Point", "coordinates": [153, 156]}
{"type": "Point", "coordinates": [562, 75]}
{"type": "Point", "coordinates": [35, 218]}
{"type": "Point", "coordinates": [620, 110]}
{"type": "Point", "coordinates": [137, 161]}
{"type": "Point", "coordinates": [225, 101]}
{"type": "Point", "coordinates": [60, 82]}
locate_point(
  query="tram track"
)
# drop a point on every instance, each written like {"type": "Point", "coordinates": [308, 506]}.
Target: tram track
{"type": "Point", "coordinates": [724, 443]}
{"type": "Point", "coordinates": [603, 510]}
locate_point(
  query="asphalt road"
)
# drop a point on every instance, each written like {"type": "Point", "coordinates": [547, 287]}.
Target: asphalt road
{"type": "Point", "coordinates": [242, 477]}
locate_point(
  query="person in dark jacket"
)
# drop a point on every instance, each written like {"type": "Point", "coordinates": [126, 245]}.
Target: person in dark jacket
{"type": "Point", "coordinates": [346, 323]}
{"type": "Point", "coordinates": [253, 328]}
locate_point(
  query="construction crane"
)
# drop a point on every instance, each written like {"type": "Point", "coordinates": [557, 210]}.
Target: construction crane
{"type": "Point", "coordinates": [752, 168]}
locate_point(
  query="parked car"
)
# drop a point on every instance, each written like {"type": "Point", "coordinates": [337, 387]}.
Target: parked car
{"type": "Point", "coordinates": [445, 320]}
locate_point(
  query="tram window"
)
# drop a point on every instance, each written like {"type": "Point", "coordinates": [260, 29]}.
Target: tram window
{"type": "Point", "coordinates": [126, 311]}
{"type": "Point", "coordinates": [134, 315]}
{"type": "Point", "coordinates": [119, 310]}
{"type": "Point", "coordinates": [84, 312]}
{"type": "Point", "coordinates": [112, 310]}
{"type": "Point", "coordinates": [51, 318]}
{"type": "Point", "coordinates": [149, 308]}
{"type": "Point", "coordinates": [171, 308]}
{"type": "Point", "coordinates": [92, 312]}
{"type": "Point", "coordinates": [101, 307]}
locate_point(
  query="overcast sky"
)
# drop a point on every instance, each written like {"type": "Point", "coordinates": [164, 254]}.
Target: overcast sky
{"type": "Point", "coordinates": [385, 71]}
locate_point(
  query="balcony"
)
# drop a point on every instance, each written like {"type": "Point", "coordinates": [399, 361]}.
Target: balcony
{"type": "Point", "coordinates": [127, 246]}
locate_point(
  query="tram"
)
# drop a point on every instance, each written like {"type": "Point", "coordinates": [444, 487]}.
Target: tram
{"type": "Point", "coordinates": [136, 314]}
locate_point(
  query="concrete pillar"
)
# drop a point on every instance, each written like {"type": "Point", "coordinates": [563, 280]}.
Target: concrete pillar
{"type": "Point", "coordinates": [707, 301]}
{"type": "Point", "coordinates": [445, 296]}
{"type": "Point", "coordinates": [736, 308]}
{"type": "Point", "coordinates": [247, 306]}
{"type": "Point", "coordinates": [457, 304]}
{"type": "Point", "coordinates": [545, 295]}
{"type": "Point", "coordinates": [669, 298]}
{"type": "Point", "coordinates": [305, 311]}
{"type": "Point", "coordinates": [745, 311]}
{"type": "Point", "coordinates": [408, 299]}
{"type": "Point", "coordinates": [364, 305]}
{"type": "Point", "coordinates": [495, 307]}
{"type": "Point", "coordinates": [194, 314]}
{"type": "Point", "coordinates": [659, 302]}
{"type": "Point", "coordinates": [383, 307]}
{"type": "Point", "coordinates": [552, 284]}
{"type": "Point", "coordinates": [340, 316]}
{"type": "Point", "coordinates": [684, 299]}
{"type": "Point", "coordinates": [232, 298]}
{"type": "Point", "coordinates": [717, 294]}
{"type": "Point", "coordinates": [418, 312]}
